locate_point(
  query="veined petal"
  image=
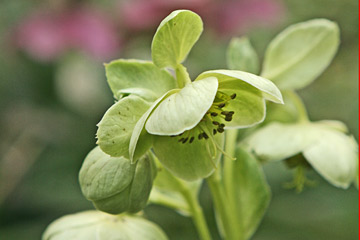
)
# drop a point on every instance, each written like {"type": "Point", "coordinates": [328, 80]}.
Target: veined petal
{"type": "Point", "coordinates": [269, 90]}
{"type": "Point", "coordinates": [188, 161]}
{"type": "Point", "coordinates": [139, 77]}
{"type": "Point", "coordinates": [277, 141]}
{"type": "Point", "coordinates": [117, 125]}
{"type": "Point", "coordinates": [183, 110]}
{"type": "Point", "coordinates": [249, 106]}
{"type": "Point", "coordinates": [332, 154]}
{"type": "Point", "coordinates": [139, 133]}
{"type": "Point", "coordinates": [175, 37]}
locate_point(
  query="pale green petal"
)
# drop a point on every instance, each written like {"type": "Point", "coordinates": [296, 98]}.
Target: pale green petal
{"type": "Point", "coordinates": [226, 77]}
{"type": "Point", "coordinates": [139, 136]}
{"type": "Point", "coordinates": [333, 154]}
{"type": "Point", "coordinates": [249, 106]}
{"type": "Point", "coordinates": [102, 176]}
{"type": "Point", "coordinates": [251, 192]}
{"type": "Point", "coordinates": [141, 184]}
{"type": "Point", "coordinates": [175, 37]}
{"type": "Point", "coordinates": [117, 125]}
{"type": "Point", "coordinates": [277, 141]}
{"type": "Point", "coordinates": [183, 110]}
{"type": "Point", "coordinates": [300, 53]}
{"type": "Point", "coordinates": [242, 56]}
{"type": "Point", "coordinates": [138, 77]}
{"type": "Point", "coordinates": [94, 225]}
{"type": "Point", "coordinates": [336, 125]}
{"type": "Point", "coordinates": [188, 161]}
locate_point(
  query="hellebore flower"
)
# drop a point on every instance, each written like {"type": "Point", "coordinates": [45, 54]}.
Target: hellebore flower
{"type": "Point", "coordinates": [323, 144]}
{"type": "Point", "coordinates": [94, 225]}
{"type": "Point", "coordinates": [113, 184]}
{"type": "Point", "coordinates": [182, 120]}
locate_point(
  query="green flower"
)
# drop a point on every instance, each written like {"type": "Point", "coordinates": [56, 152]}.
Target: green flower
{"type": "Point", "coordinates": [95, 225]}
{"type": "Point", "coordinates": [324, 144]}
{"type": "Point", "coordinates": [182, 120]}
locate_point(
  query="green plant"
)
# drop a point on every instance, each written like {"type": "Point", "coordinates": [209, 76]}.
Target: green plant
{"type": "Point", "coordinates": [166, 134]}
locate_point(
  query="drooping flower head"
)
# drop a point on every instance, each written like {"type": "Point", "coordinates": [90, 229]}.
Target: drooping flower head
{"type": "Point", "coordinates": [182, 120]}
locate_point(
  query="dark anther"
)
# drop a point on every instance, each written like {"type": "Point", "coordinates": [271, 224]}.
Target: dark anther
{"type": "Point", "coordinates": [214, 131]}
{"type": "Point", "coordinates": [220, 130]}
{"type": "Point", "coordinates": [231, 112]}
{"type": "Point", "coordinates": [221, 105]}
{"type": "Point", "coordinates": [205, 136]}
{"type": "Point", "coordinates": [228, 118]}
{"type": "Point", "coordinates": [215, 123]}
{"type": "Point", "coordinates": [214, 114]}
{"type": "Point", "coordinates": [184, 141]}
{"type": "Point", "coordinates": [191, 139]}
{"type": "Point", "coordinates": [181, 139]}
{"type": "Point", "coordinates": [222, 125]}
{"type": "Point", "coordinates": [233, 96]}
{"type": "Point", "coordinates": [200, 136]}
{"type": "Point", "coordinates": [225, 113]}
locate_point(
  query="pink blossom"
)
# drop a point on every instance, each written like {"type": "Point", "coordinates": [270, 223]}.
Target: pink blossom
{"type": "Point", "coordinates": [227, 17]}
{"type": "Point", "coordinates": [46, 35]}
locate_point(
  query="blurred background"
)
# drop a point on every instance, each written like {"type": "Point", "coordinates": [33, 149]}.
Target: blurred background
{"type": "Point", "coordinates": [53, 92]}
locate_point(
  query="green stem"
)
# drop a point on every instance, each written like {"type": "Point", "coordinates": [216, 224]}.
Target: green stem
{"type": "Point", "coordinates": [221, 206]}
{"type": "Point", "coordinates": [182, 76]}
{"type": "Point", "coordinates": [193, 204]}
{"type": "Point", "coordinates": [300, 106]}
{"type": "Point", "coordinates": [230, 142]}
{"type": "Point", "coordinates": [197, 214]}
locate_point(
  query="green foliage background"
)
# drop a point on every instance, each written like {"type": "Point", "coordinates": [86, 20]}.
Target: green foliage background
{"type": "Point", "coordinates": [37, 126]}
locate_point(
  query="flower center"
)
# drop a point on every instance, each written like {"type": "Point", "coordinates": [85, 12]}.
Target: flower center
{"type": "Point", "coordinates": [211, 123]}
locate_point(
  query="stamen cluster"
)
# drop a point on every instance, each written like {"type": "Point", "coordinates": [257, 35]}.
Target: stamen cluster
{"type": "Point", "coordinates": [210, 124]}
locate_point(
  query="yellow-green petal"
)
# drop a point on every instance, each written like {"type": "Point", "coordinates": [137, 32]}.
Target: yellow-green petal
{"type": "Point", "coordinates": [269, 90]}
{"type": "Point", "coordinates": [117, 125]}
{"type": "Point", "coordinates": [188, 161]}
{"type": "Point", "coordinates": [138, 77]}
{"type": "Point", "coordinates": [300, 53]}
{"type": "Point", "coordinates": [183, 110]}
{"type": "Point", "coordinates": [175, 37]}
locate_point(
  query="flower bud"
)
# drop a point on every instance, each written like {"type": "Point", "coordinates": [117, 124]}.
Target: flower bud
{"type": "Point", "coordinates": [113, 184]}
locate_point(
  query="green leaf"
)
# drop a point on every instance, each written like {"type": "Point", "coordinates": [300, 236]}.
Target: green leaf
{"type": "Point", "coordinates": [299, 54]}
{"type": "Point", "coordinates": [175, 37]}
{"type": "Point", "coordinates": [183, 110]}
{"type": "Point", "coordinates": [242, 56]}
{"type": "Point", "coordinates": [226, 77]}
{"type": "Point", "coordinates": [251, 192]}
{"type": "Point", "coordinates": [117, 125]}
{"type": "Point", "coordinates": [138, 77]}
{"type": "Point", "coordinates": [94, 225]}
{"type": "Point", "coordinates": [139, 136]}
{"type": "Point", "coordinates": [189, 161]}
